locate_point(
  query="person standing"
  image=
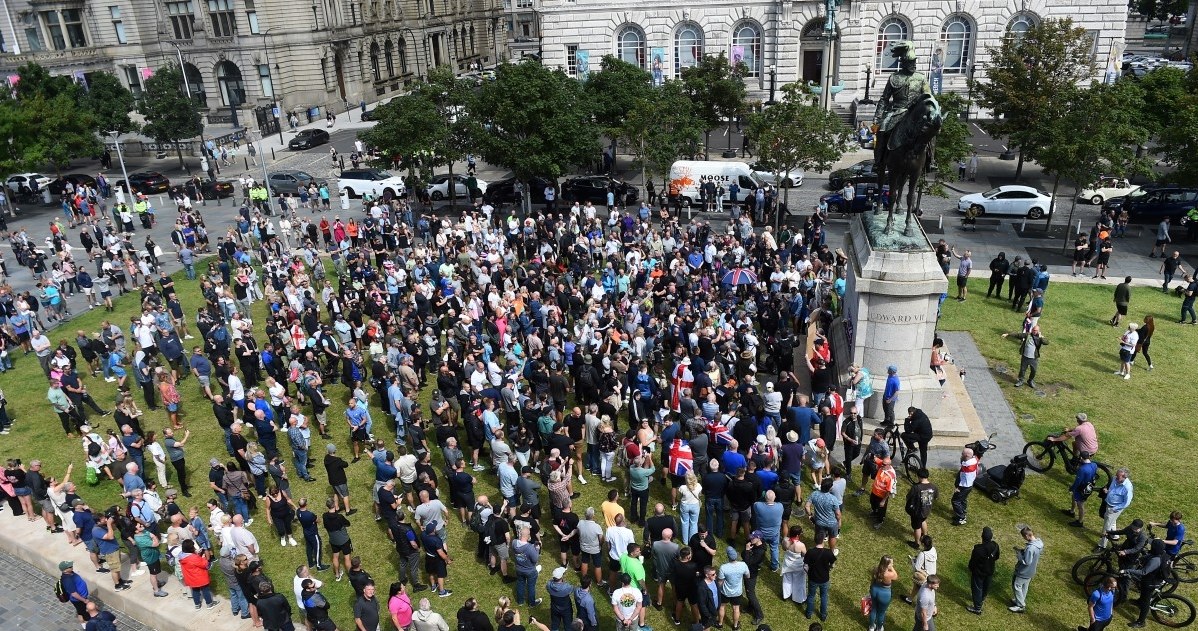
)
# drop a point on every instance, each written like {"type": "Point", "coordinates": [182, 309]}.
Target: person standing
{"type": "Point", "coordinates": [999, 266]}
{"type": "Point", "coordinates": [75, 588]}
{"type": "Point", "coordinates": [1100, 605]}
{"type": "Point", "coordinates": [890, 394]}
{"type": "Point", "coordinates": [732, 586]}
{"type": "Point", "coordinates": [1082, 487]}
{"type": "Point", "coordinates": [1169, 268]}
{"type": "Point", "coordinates": [925, 605]}
{"type": "Point", "coordinates": [1116, 498]}
{"type": "Point", "coordinates": [881, 592]}
{"type": "Point", "coordinates": [966, 476]}
{"type": "Point", "coordinates": [1029, 356]}
{"type": "Point", "coordinates": [1027, 559]}
{"type": "Point", "coordinates": [973, 167]}
{"type": "Point", "coordinates": [1127, 350]}
{"type": "Point", "coordinates": [819, 575]}
{"type": "Point", "coordinates": [918, 506]}
{"type": "Point", "coordinates": [366, 609]}
{"type": "Point", "coordinates": [561, 609]}
{"type": "Point", "coordinates": [963, 270]}
{"type": "Point", "coordinates": [1187, 302]}
{"type": "Point", "coordinates": [1162, 238]}
{"type": "Point", "coordinates": [1145, 341]}
{"type": "Point", "coordinates": [981, 569]}
{"type": "Point", "coordinates": [628, 606]}
{"type": "Point", "coordinates": [1122, 299]}
{"type": "Point", "coordinates": [1152, 574]}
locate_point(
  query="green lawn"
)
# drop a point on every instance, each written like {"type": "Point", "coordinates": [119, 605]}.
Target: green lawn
{"type": "Point", "coordinates": [1075, 370]}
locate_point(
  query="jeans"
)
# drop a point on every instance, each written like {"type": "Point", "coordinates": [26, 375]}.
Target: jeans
{"type": "Point", "coordinates": [772, 542]}
{"type": "Point", "coordinates": [690, 519]}
{"type": "Point", "coordinates": [960, 502]}
{"type": "Point", "coordinates": [240, 507]}
{"type": "Point", "coordinates": [237, 601]}
{"type": "Point", "coordinates": [751, 596]}
{"type": "Point", "coordinates": [1019, 589]}
{"type": "Point", "coordinates": [1168, 279]}
{"type": "Point", "coordinates": [607, 457]}
{"type": "Point", "coordinates": [301, 462]}
{"type": "Point", "coordinates": [979, 586]}
{"type": "Point", "coordinates": [205, 592]}
{"type": "Point", "coordinates": [879, 596]}
{"type": "Point", "coordinates": [190, 269]}
{"type": "Point", "coordinates": [888, 412]}
{"type": "Point", "coordinates": [820, 589]}
{"type": "Point", "coordinates": [1186, 307]}
{"type": "Point", "coordinates": [775, 418]}
{"type": "Point", "coordinates": [715, 515]}
{"type": "Point", "coordinates": [229, 442]}
{"type": "Point", "coordinates": [594, 460]}
{"type": "Point", "coordinates": [640, 503]}
{"type": "Point", "coordinates": [526, 588]}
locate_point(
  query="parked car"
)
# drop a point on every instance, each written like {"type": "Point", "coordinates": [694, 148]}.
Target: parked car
{"type": "Point", "coordinates": [370, 114]}
{"type": "Point", "coordinates": [146, 182]}
{"type": "Point", "coordinates": [1012, 199]}
{"type": "Point", "coordinates": [290, 181]}
{"type": "Point", "coordinates": [26, 183]}
{"type": "Point", "coordinates": [438, 188]}
{"type": "Point", "coordinates": [766, 174]}
{"type": "Point", "coordinates": [308, 138]}
{"type": "Point", "coordinates": [861, 170]}
{"type": "Point", "coordinates": [372, 182]}
{"type": "Point", "coordinates": [861, 202]}
{"type": "Point", "coordinates": [211, 189]}
{"type": "Point", "coordinates": [76, 180]}
{"type": "Point", "coordinates": [504, 191]}
{"type": "Point", "coordinates": [1151, 204]}
{"type": "Point", "coordinates": [1105, 188]}
{"type": "Point", "coordinates": [593, 188]}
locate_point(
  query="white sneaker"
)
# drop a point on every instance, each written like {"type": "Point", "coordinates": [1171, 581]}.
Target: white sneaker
{"type": "Point", "coordinates": [1127, 376]}
{"type": "Point", "coordinates": [189, 337]}
{"type": "Point", "coordinates": [110, 379]}
{"type": "Point", "coordinates": [283, 541]}
{"type": "Point", "coordinates": [582, 479]}
{"type": "Point", "coordinates": [291, 540]}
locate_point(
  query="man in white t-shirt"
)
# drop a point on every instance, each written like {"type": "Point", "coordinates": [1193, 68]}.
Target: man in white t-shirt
{"type": "Point", "coordinates": [618, 537]}
{"type": "Point", "coordinates": [626, 604]}
{"type": "Point", "coordinates": [965, 478]}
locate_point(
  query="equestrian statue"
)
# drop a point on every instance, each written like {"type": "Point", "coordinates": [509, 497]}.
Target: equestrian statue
{"type": "Point", "coordinates": [909, 120]}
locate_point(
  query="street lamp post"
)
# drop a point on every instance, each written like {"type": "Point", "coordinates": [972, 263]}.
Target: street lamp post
{"type": "Point", "coordinates": [415, 47]}
{"type": "Point", "coordinates": [969, 94]}
{"type": "Point", "coordinates": [869, 69]}
{"type": "Point", "coordinates": [275, 110]}
{"type": "Point", "coordinates": [773, 83]}
{"type": "Point", "coordinates": [182, 70]}
{"type": "Point", "coordinates": [120, 156]}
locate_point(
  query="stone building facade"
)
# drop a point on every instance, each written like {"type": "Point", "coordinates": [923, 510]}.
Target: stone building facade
{"type": "Point", "coordinates": [783, 40]}
{"type": "Point", "coordinates": [305, 56]}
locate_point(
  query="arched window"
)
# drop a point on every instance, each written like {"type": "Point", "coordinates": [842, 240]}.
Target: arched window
{"type": "Point", "coordinates": [374, 61]}
{"type": "Point", "coordinates": [403, 56]}
{"type": "Point", "coordinates": [630, 45]}
{"type": "Point", "coordinates": [389, 54]}
{"type": "Point", "coordinates": [1020, 24]}
{"type": "Point", "coordinates": [688, 47]}
{"type": "Point", "coordinates": [228, 77]}
{"type": "Point", "coordinates": [746, 39]}
{"type": "Point", "coordinates": [473, 44]}
{"type": "Point", "coordinates": [957, 36]}
{"type": "Point", "coordinates": [893, 30]}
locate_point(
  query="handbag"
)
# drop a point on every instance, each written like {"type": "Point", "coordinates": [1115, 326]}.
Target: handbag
{"type": "Point", "coordinates": [867, 605]}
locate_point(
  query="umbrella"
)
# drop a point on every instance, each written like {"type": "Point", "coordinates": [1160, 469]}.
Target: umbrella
{"type": "Point", "coordinates": [740, 276]}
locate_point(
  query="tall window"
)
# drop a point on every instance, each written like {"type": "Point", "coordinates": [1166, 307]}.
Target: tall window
{"type": "Point", "coordinates": [958, 38]}
{"type": "Point", "coordinates": [183, 19]}
{"type": "Point", "coordinates": [374, 62]}
{"type": "Point", "coordinates": [1020, 24]}
{"type": "Point", "coordinates": [747, 35]}
{"type": "Point", "coordinates": [389, 55]}
{"type": "Point", "coordinates": [892, 30]}
{"type": "Point", "coordinates": [33, 34]}
{"type": "Point", "coordinates": [54, 28]}
{"type": "Point", "coordinates": [73, 20]}
{"type": "Point", "coordinates": [251, 16]}
{"type": "Point", "coordinates": [473, 42]}
{"type": "Point", "coordinates": [630, 45]}
{"type": "Point", "coordinates": [268, 85]}
{"type": "Point", "coordinates": [132, 79]}
{"type": "Point", "coordinates": [403, 56]}
{"type": "Point", "coordinates": [688, 47]}
{"type": "Point", "coordinates": [118, 25]}
{"type": "Point", "coordinates": [224, 21]}
{"type": "Point", "coordinates": [572, 60]}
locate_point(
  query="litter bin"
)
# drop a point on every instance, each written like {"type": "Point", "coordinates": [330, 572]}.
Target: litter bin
{"type": "Point", "coordinates": [46, 196]}
{"type": "Point", "coordinates": [344, 200]}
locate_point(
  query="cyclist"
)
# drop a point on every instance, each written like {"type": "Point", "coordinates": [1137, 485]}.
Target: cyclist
{"type": "Point", "coordinates": [1152, 575]}
{"type": "Point", "coordinates": [1082, 488]}
{"type": "Point", "coordinates": [1085, 437]}
{"type": "Point", "coordinates": [1175, 533]}
{"type": "Point", "coordinates": [1135, 540]}
{"type": "Point", "coordinates": [917, 430]}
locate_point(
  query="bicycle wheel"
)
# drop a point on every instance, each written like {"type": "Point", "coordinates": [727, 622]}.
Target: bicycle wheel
{"type": "Point", "coordinates": [1091, 564]}
{"type": "Point", "coordinates": [911, 468]}
{"type": "Point", "coordinates": [1185, 566]}
{"type": "Point", "coordinates": [1102, 479]}
{"type": "Point", "coordinates": [1095, 580]}
{"type": "Point", "coordinates": [1173, 611]}
{"type": "Point", "coordinates": [892, 440]}
{"type": "Point", "coordinates": [1039, 456]}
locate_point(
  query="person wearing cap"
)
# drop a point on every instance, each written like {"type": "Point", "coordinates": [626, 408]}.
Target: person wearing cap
{"type": "Point", "coordinates": [773, 404]}
{"type": "Point", "coordinates": [1082, 488]}
{"type": "Point", "coordinates": [885, 486]}
{"type": "Point", "coordinates": [1084, 435]}
{"type": "Point", "coordinates": [890, 394]}
{"type": "Point", "coordinates": [754, 558]}
{"type": "Point", "coordinates": [731, 578]}
{"type": "Point", "coordinates": [561, 610]}
{"type": "Point", "coordinates": [76, 589]}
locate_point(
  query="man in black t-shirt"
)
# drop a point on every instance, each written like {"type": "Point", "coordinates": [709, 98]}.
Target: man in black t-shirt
{"type": "Point", "coordinates": [335, 469]}
{"type": "Point", "coordinates": [684, 576]}
{"type": "Point", "coordinates": [338, 528]}
{"type": "Point", "coordinates": [366, 609]}
{"type": "Point", "coordinates": [819, 574]}
{"type": "Point", "coordinates": [702, 545]}
{"type": "Point", "coordinates": [566, 526]}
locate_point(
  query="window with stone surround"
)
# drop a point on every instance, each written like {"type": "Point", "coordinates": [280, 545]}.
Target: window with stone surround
{"type": "Point", "coordinates": [1020, 24]}
{"type": "Point", "coordinates": [747, 35]}
{"type": "Point", "coordinates": [224, 20]}
{"type": "Point", "coordinates": [957, 38]}
{"type": "Point", "coordinates": [688, 47]}
{"type": "Point", "coordinates": [389, 56]}
{"type": "Point", "coordinates": [182, 15]}
{"type": "Point", "coordinates": [72, 19]}
{"type": "Point", "coordinates": [54, 28]}
{"type": "Point", "coordinates": [630, 45]}
{"type": "Point", "coordinates": [571, 60]}
{"type": "Point", "coordinates": [118, 25]}
{"type": "Point", "coordinates": [893, 29]}
{"type": "Point", "coordinates": [374, 62]}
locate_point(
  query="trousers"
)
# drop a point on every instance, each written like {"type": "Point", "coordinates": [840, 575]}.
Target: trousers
{"type": "Point", "coordinates": [1019, 591]}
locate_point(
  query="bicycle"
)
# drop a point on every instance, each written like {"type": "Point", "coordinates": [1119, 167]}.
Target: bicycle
{"type": "Point", "coordinates": [1184, 566]}
{"type": "Point", "coordinates": [907, 455]}
{"type": "Point", "coordinates": [1168, 609]}
{"type": "Point", "coordinates": [1042, 455]}
{"type": "Point", "coordinates": [1107, 562]}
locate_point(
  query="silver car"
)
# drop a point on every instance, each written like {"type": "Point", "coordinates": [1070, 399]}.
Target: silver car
{"type": "Point", "coordinates": [290, 181]}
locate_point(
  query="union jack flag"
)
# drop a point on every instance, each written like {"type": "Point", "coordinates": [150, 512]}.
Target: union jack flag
{"type": "Point", "coordinates": [682, 461]}
{"type": "Point", "coordinates": [719, 432]}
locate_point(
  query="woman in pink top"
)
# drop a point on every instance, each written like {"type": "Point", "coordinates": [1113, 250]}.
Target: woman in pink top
{"type": "Point", "coordinates": [400, 606]}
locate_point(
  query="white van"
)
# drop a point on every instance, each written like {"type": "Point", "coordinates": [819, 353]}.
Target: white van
{"type": "Point", "coordinates": [688, 174]}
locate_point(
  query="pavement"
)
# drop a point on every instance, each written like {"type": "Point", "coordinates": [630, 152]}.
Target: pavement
{"type": "Point", "coordinates": [27, 601]}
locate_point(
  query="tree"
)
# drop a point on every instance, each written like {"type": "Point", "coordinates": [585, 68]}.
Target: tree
{"type": "Point", "coordinates": [717, 89]}
{"type": "Point", "coordinates": [170, 115]}
{"type": "Point", "coordinates": [110, 102]}
{"type": "Point", "coordinates": [48, 124]}
{"type": "Point", "coordinates": [660, 127]}
{"type": "Point", "coordinates": [1160, 9]}
{"type": "Point", "coordinates": [795, 133]}
{"type": "Point", "coordinates": [614, 91]}
{"type": "Point", "coordinates": [1024, 77]}
{"type": "Point", "coordinates": [1178, 141]}
{"type": "Point", "coordinates": [952, 145]}
{"type": "Point", "coordinates": [1098, 132]}
{"type": "Point", "coordinates": [533, 120]}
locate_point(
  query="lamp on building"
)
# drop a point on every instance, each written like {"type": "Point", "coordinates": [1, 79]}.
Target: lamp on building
{"type": "Point", "coordinates": [869, 69]}
{"type": "Point", "coordinates": [773, 83]}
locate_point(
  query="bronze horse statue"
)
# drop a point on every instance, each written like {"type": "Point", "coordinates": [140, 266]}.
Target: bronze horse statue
{"type": "Point", "coordinates": [907, 152]}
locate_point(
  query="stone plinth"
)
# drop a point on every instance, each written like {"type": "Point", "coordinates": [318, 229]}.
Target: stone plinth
{"type": "Point", "coordinates": [892, 292]}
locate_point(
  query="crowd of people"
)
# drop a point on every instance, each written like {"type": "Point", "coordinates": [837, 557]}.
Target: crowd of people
{"type": "Point", "coordinates": [533, 355]}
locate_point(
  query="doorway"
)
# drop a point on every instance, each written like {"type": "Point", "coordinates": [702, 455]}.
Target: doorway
{"type": "Point", "coordinates": [339, 67]}
{"type": "Point", "coordinates": [813, 65]}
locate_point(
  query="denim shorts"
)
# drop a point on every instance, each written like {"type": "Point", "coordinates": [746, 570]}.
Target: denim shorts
{"type": "Point", "coordinates": [172, 407]}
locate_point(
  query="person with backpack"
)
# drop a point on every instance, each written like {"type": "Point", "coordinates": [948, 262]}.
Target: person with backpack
{"type": "Point", "coordinates": [73, 589]}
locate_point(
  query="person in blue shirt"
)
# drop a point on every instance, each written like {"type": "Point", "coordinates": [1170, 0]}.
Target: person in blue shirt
{"type": "Point", "coordinates": [804, 418]}
{"type": "Point", "coordinates": [1082, 487]}
{"type": "Point", "coordinates": [767, 515]}
{"type": "Point", "coordinates": [75, 588]}
{"type": "Point", "coordinates": [1175, 533]}
{"type": "Point", "coordinates": [732, 460]}
{"type": "Point", "coordinates": [890, 395]}
{"type": "Point", "coordinates": [356, 417]}
{"type": "Point", "coordinates": [1118, 498]}
{"type": "Point", "coordinates": [1101, 605]}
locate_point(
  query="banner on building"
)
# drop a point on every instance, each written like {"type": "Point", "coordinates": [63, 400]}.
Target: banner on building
{"type": "Point", "coordinates": [80, 79]}
{"type": "Point", "coordinates": [937, 78]}
{"type": "Point", "coordinates": [582, 62]}
{"type": "Point", "coordinates": [146, 73]}
{"type": "Point", "coordinates": [1112, 64]}
{"type": "Point", "coordinates": [738, 56]}
{"type": "Point", "coordinates": [659, 66]}
{"type": "Point", "coordinates": [13, 80]}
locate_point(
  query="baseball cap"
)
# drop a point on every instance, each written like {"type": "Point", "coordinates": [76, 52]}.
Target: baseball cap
{"type": "Point", "coordinates": [756, 534]}
{"type": "Point", "coordinates": [214, 463]}
{"type": "Point", "coordinates": [559, 573]}
{"type": "Point", "coordinates": [65, 565]}
{"type": "Point", "coordinates": [731, 553]}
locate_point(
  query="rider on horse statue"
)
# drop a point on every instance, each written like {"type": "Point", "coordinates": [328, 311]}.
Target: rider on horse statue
{"type": "Point", "coordinates": [904, 88]}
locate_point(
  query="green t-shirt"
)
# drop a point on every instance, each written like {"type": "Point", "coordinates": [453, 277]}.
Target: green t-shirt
{"type": "Point", "coordinates": [634, 567]}
{"type": "Point", "coordinates": [145, 545]}
{"type": "Point", "coordinates": [639, 477]}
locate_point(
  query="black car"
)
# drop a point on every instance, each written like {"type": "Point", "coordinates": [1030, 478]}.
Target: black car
{"type": "Point", "coordinates": [76, 179]}
{"type": "Point", "coordinates": [147, 182]}
{"type": "Point", "coordinates": [504, 191]}
{"type": "Point", "coordinates": [1152, 204]}
{"type": "Point", "coordinates": [857, 172]}
{"type": "Point", "coordinates": [309, 138]}
{"type": "Point", "coordinates": [593, 188]}
{"type": "Point", "coordinates": [369, 115]}
{"type": "Point", "coordinates": [211, 189]}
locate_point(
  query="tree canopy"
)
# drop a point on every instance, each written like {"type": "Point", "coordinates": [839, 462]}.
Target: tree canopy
{"type": "Point", "coordinates": [795, 133]}
{"type": "Point", "coordinates": [111, 103]}
{"type": "Point", "coordinates": [661, 127]}
{"type": "Point", "coordinates": [170, 115]}
{"type": "Point", "coordinates": [717, 89]}
{"type": "Point", "coordinates": [614, 91]}
{"type": "Point", "coordinates": [47, 123]}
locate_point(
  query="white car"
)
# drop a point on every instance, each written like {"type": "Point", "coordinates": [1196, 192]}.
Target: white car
{"type": "Point", "coordinates": [438, 188]}
{"type": "Point", "coordinates": [26, 182]}
{"type": "Point", "coordinates": [1106, 188]}
{"type": "Point", "coordinates": [370, 182]}
{"type": "Point", "coordinates": [1012, 199]}
{"type": "Point", "coordinates": [767, 175]}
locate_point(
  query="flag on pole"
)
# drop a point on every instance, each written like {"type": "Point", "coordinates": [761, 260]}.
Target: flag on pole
{"type": "Point", "coordinates": [1112, 64]}
{"type": "Point", "coordinates": [682, 461]}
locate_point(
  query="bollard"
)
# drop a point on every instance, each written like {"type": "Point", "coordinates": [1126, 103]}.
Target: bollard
{"type": "Point", "coordinates": [1023, 225]}
{"type": "Point", "coordinates": [940, 223]}
{"type": "Point", "coordinates": [272, 154]}
{"type": "Point", "coordinates": [247, 163]}
{"type": "Point", "coordinates": [1079, 226]}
